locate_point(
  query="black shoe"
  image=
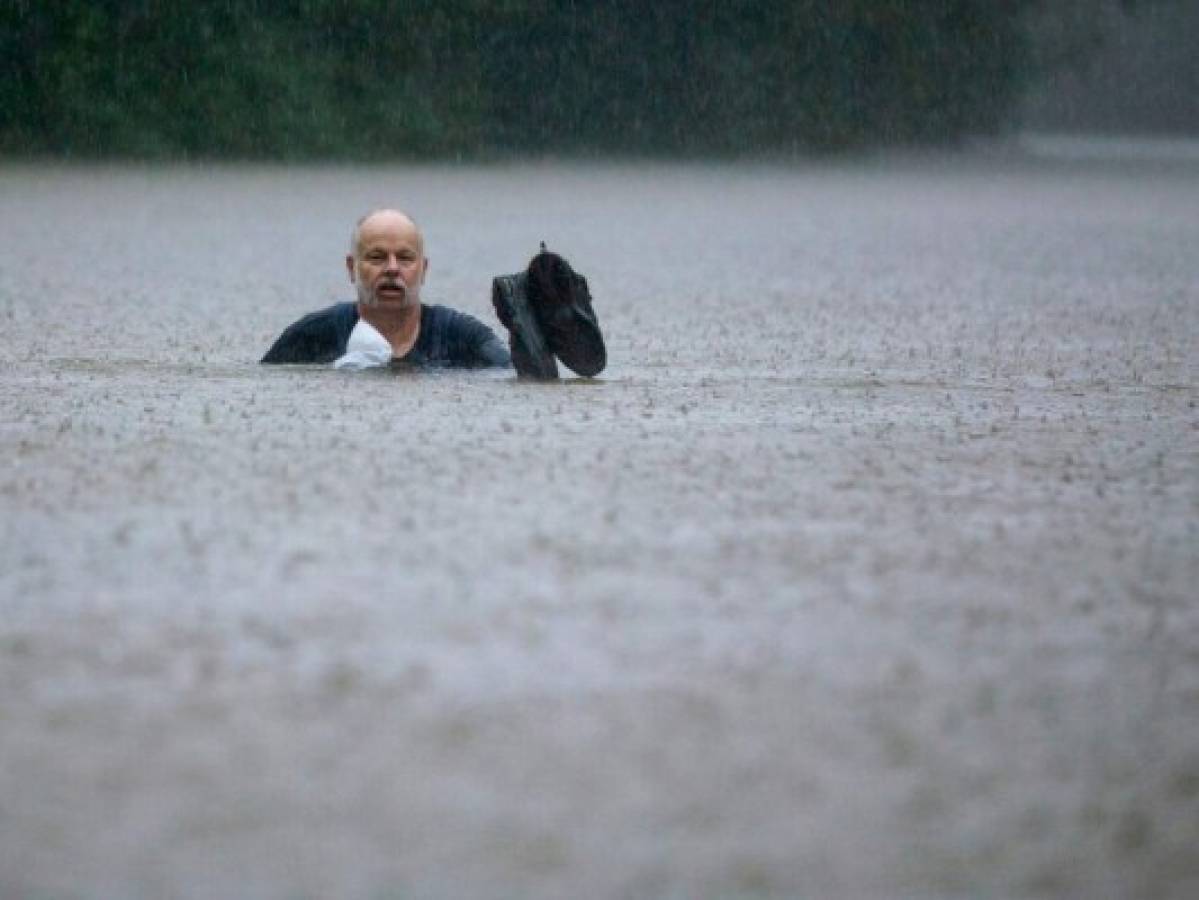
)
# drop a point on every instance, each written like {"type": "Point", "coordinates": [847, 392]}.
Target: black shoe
{"type": "Point", "coordinates": [547, 311]}
{"type": "Point", "coordinates": [530, 355]}
{"type": "Point", "coordinates": [561, 301]}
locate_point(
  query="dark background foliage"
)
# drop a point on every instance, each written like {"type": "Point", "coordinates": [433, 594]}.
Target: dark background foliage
{"type": "Point", "coordinates": [367, 78]}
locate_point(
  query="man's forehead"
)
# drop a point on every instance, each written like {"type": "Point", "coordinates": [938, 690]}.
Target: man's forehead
{"type": "Point", "coordinates": [388, 225]}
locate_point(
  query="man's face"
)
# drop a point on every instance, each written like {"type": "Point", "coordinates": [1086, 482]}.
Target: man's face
{"type": "Point", "coordinates": [388, 265]}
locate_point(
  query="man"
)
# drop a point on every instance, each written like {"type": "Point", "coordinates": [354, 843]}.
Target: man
{"type": "Point", "coordinates": [546, 309]}
{"type": "Point", "coordinates": [387, 266]}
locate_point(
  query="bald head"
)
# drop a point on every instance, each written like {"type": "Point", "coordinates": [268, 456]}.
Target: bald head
{"type": "Point", "coordinates": [384, 217]}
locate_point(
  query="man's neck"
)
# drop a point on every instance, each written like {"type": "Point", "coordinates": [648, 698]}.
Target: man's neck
{"type": "Point", "coordinates": [400, 327]}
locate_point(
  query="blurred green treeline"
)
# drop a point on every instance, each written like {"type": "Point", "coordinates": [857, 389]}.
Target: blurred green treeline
{"type": "Point", "coordinates": [368, 78]}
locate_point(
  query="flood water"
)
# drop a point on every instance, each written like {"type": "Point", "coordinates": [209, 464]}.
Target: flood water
{"type": "Point", "coordinates": [867, 568]}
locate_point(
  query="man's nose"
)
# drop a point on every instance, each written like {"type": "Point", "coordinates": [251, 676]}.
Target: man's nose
{"type": "Point", "coordinates": [393, 263]}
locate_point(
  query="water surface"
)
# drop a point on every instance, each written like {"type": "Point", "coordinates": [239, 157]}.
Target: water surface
{"type": "Point", "coordinates": [866, 569]}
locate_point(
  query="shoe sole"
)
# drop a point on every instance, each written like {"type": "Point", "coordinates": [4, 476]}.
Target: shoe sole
{"type": "Point", "coordinates": [561, 300]}
{"type": "Point", "coordinates": [510, 299]}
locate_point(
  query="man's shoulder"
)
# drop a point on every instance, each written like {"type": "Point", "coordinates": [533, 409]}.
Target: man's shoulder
{"type": "Point", "coordinates": [445, 319]}
{"type": "Point", "coordinates": [453, 322]}
{"type": "Point", "coordinates": [450, 336]}
{"type": "Point", "coordinates": [337, 313]}
{"type": "Point", "coordinates": [317, 337]}
{"type": "Point", "coordinates": [444, 313]}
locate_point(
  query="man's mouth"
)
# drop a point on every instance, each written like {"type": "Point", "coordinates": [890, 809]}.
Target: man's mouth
{"type": "Point", "coordinates": [391, 290]}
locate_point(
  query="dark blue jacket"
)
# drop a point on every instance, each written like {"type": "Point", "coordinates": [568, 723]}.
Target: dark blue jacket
{"type": "Point", "coordinates": [447, 338]}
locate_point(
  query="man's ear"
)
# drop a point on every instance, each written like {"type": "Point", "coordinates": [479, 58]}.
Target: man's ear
{"type": "Point", "coordinates": [424, 270]}
{"type": "Point", "coordinates": [350, 266]}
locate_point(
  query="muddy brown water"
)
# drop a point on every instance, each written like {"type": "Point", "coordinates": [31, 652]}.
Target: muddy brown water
{"type": "Point", "coordinates": [867, 569]}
